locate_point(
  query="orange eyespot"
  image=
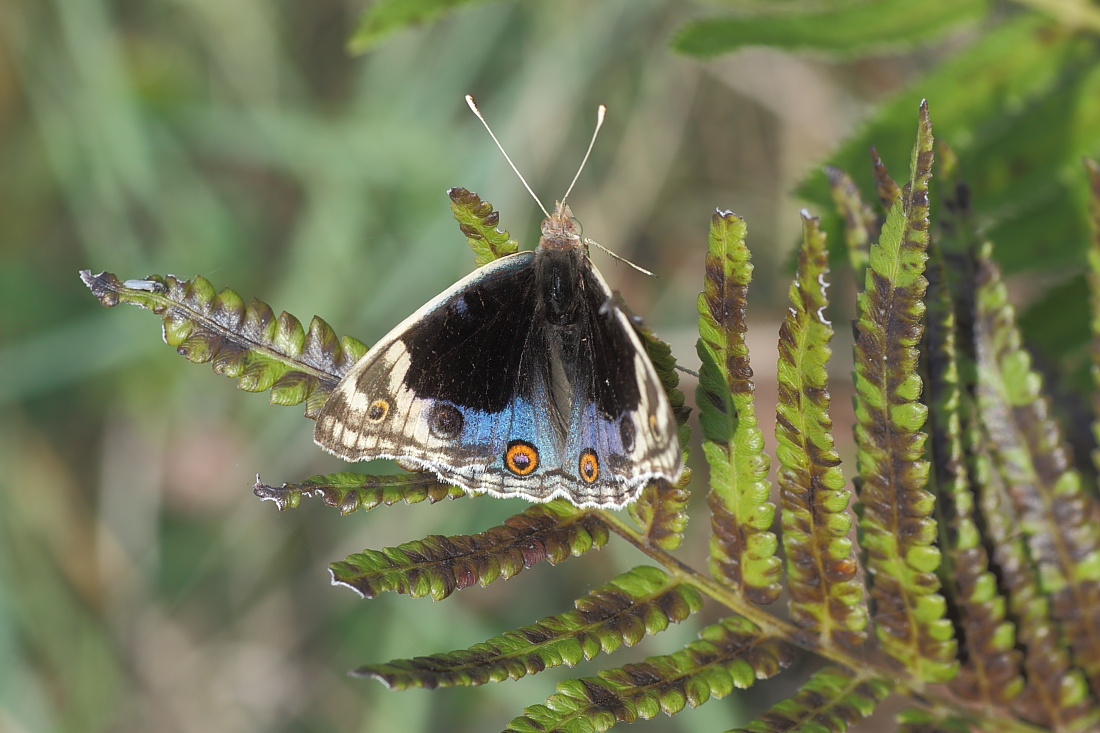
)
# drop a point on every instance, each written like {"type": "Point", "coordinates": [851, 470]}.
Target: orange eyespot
{"type": "Point", "coordinates": [522, 458]}
{"type": "Point", "coordinates": [652, 422]}
{"type": "Point", "coordinates": [378, 410]}
{"type": "Point", "coordinates": [589, 466]}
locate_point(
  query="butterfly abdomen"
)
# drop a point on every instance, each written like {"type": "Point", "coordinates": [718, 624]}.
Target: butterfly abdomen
{"type": "Point", "coordinates": [558, 323]}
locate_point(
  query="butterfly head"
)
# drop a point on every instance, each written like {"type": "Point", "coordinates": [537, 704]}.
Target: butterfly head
{"type": "Point", "coordinates": [561, 231]}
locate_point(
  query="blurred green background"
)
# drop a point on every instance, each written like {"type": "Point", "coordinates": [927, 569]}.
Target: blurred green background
{"type": "Point", "coordinates": [142, 586]}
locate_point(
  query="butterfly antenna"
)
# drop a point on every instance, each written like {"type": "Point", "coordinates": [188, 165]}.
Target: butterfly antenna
{"type": "Point", "coordinates": [601, 112]}
{"type": "Point", "coordinates": [624, 260]}
{"type": "Point", "coordinates": [473, 107]}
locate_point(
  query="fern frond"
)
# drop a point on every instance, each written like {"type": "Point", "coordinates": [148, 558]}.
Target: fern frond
{"type": "Point", "coordinates": [661, 512]}
{"type": "Point", "coordinates": [824, 573]}
{"type": "Point", "coordinates": [990, 669]}
{"type": "Point", "coordinates": [898, 530]}
{"type": "Point", "coordinates": [861, 226]}
{"type": "Point", "coordinates": [1054, 693]}
{"type": "Point", "coordinates": [830, 701]}
{"type": "Point", "coordinates": [642, 601]}
{"type": "Point", "coordinates": [438, 566]}
{"type": "Point", "coordinates": [730, 654]}
{"type": "Point", "coordinates": [1052, 512]}
{"type": "Point", "coordinates": [247, 343]}
{"type": "Point", "coordinates": [888, 191]}
{"type": "Point", "coordinates": [351, 491]}
{"type": "Point", "coordinates": [478, 221]}
{"type": "Point", "coordinates": [742, 546]}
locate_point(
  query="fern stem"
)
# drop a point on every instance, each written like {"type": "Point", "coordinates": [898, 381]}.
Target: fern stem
{"type": "Point", "coordinates": [769, 624]}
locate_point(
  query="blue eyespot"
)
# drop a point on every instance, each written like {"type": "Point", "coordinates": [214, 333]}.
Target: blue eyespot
{"type": "Point", "coordinates": [627, 433]}
{"type": "Point", "coordinates": [445, 420]}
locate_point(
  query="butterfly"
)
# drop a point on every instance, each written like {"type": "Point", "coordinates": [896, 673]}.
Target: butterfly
{"type": "Point", "coordinates": [523, 379]}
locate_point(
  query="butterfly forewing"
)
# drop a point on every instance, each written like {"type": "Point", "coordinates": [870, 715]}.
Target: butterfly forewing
{"type": "Point", "coordinates": [412, 394]}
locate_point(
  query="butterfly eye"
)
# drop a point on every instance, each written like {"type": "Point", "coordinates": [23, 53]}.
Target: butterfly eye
{"type": "Point", "coordinates": [378, 410]}
{"type": "Point", "coordinates": [590, 466]}
{"type": "Point", "coordinates": [522, 458]}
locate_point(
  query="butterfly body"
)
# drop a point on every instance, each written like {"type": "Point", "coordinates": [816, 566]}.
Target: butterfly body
{"type": "Point", "coordinates": [522, 379]}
